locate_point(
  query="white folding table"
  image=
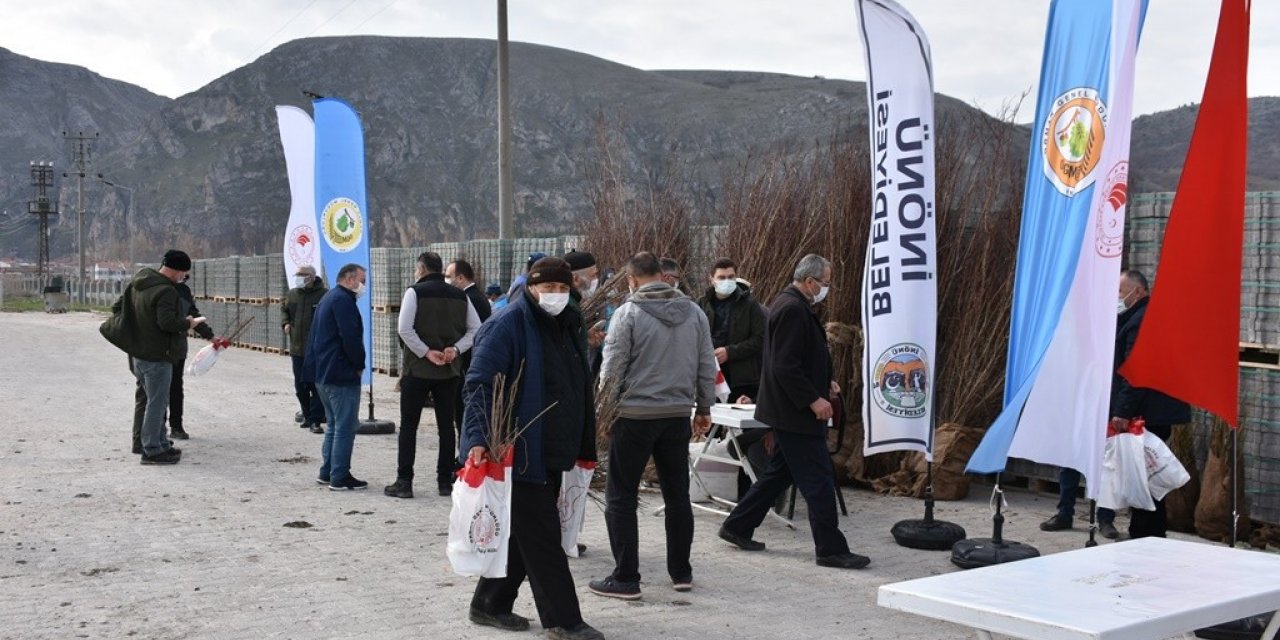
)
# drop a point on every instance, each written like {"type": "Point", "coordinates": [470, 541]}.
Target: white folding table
{"type": "Point", "coordinates": [1150, 588]}
{"type": "Point", "coordinates": [728, 421]}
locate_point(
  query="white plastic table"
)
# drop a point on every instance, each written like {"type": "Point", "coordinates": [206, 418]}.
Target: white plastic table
{"type": "Point", "coordinates": [728, 420]}
{"type": "Point", "coordinates": [1149, 588]}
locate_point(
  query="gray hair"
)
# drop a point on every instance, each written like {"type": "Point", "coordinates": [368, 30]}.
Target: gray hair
{"type": "Point", "coordinates": [1136, 277]}
{"type": "Point", "coordinates": [810, 266]}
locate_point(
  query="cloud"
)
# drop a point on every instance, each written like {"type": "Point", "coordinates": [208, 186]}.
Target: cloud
{"type": "Point", "coordinates": [985, 51]}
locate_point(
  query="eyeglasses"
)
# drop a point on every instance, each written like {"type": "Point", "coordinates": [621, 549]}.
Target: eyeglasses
{"type": "Point", "coordinates": [825, 284]}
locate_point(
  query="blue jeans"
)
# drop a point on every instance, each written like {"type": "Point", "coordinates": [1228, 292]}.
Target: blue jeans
{"type": "Point", "coordinates": [341, 404]}
{"type": "Point", "coordinates": [1068, 485]}
{"type": "Point", "coordinates": [154, 379]}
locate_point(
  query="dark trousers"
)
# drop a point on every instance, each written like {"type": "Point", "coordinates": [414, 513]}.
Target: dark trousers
{"type": "Point", "coordinates": [535, 553]}
{"type": "Point", "coordinates": [1151, 524]}
{"type": "Point", "coordinates": [308, 397]}
{"type": "Point", "coordinates": [413, 394]}
{"type": "Point", "coordinates": [804, 460]}
{"type": "Point", "coordinates": [176, 397]}
{"type": "Point", "coordinates": [633, 441]}
{"type": "Point", "coordinates": [1068, 486]}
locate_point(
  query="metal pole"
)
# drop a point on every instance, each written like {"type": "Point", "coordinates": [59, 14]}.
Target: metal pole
{"type": "Point", "coordinates": [80, 232]}
{"type": "Point", "coordinates": [506, 199]}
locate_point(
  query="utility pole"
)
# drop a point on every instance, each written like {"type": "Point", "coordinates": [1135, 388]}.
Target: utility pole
{"type": "Point", "coordinates": [42, 180]}
{"type": "Point", "coordinates": [128, 217]}
{"type": "Point", "coordinates": [82, 146]}
{"type": "Point", "coordinates": [506, 200]}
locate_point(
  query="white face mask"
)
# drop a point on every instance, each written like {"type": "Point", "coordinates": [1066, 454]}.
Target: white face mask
{"type": "Point", "coordinates": [591, 287]}
{"type": "Point", "coordinates": [299, 281]}
{"type": "Point", "coordinates": [822, 294]}
{"type": "Point", "coordinates": [1122, 303]}
{"type": "Point", "coordinates": [553, 303]}
{"type": "Point", "coordinates": [359, 290]}
{"type": "Point", "coordinates": [448, 280]}
{"type": "Point", "coordinates": [725, 288]}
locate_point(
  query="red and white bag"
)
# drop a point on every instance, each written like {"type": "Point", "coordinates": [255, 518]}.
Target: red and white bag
{"type": "Point", "coordinates": [573, 504]}
{"type": "Point", "coordinates": [1124, 471]}
{"type": "Point", "coordinates": [1164, 472]}
{"type": "Point", "coordinates": [480, 521]}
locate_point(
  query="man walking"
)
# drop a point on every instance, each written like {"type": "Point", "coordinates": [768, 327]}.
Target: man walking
{"type": "Point", "coordinates": [537, 344]}
{"type": "Point", "coordinates": [299, 309]}
{"type": "Point", "coordinates": [157, 319]}
{"type": "Point", "coordinates": [658, 356]}
{"type": "Point", "coordinates": [437, 324]}
{"type": "Point", "coordinates": [334, 361]}
{"type": "Point", "coordinates": [795, 387]}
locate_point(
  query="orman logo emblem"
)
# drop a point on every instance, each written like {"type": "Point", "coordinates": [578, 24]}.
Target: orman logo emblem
{"type": "Point", "coordinates": [900, 385]}
{"type": "Point", "coordinates": [1071, 140]}
{"type": "Point", "coordinates": [1108, 220]}
{"type": "Point", "coordinates": [342, 224]}
{"type": "Point", "coordinates": [485, 530]}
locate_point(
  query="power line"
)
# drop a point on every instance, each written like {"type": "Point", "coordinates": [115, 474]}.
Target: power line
{"type": "Point", "coordinates": [375, 14]}
{"type": "Point", "coordinates": [322, 24]}
{"type": "Point", "coordinates": [271, 37]}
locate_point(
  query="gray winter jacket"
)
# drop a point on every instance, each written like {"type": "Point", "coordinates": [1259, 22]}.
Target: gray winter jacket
{"type": "Point", "coordinates": [659, 351]}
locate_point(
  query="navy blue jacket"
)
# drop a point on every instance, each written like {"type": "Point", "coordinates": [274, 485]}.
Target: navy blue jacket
{"type": "Point", "coordinates": [509, 338]}
{"type": "Point", "coordinates": [335, 348]}
{"type": "Point", "coordinates": [1132, 402]}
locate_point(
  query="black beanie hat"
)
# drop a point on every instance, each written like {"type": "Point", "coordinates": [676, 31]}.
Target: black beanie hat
{"type": "Point", "coordinates": [550, 270]}
{"type": "Point", "coordinates": [176, 260]}
{"type": "Point", "coordinates": [579, 260]}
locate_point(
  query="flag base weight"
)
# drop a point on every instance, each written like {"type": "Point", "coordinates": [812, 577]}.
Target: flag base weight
{"type": "Point", "coordinates": [973, 553]}
{"type": "Point", "coordinates": [376, 427]}
{"type": "Point", "coordinates": [928, 534]}
{"type": "Point", "coordinates": [1243, 629]}
{"type": "Point", "coordinates": [931, 535]}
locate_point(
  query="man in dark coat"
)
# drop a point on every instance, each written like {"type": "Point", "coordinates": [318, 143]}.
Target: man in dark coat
{"type": "Point", "coordinates": [177, 396]}
{"type": "Point", "coordinates": [335, 363]}
{"type": "Point", "coordinates": [299, 309]}
{"type": "Point", "coordinates": [1160, 412]}
{"type": "Point", "coordinates": [536, 340]}
{"type": "Point", "coordinates": [795, 391]}
{"type": "Point", "coordinates": [158, 319]}
{"type": "Point", "coordinates": [737, 329]}
{"type": "Point", "coordinates": [437, 324]}
{"type": "Point", "coordinates": [462, 275]}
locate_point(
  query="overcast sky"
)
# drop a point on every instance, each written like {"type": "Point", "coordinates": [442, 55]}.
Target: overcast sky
{"type": "Point", "coordinates": [985, 52]}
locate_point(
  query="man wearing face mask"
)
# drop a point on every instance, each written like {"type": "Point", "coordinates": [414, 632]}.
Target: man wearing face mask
{"type": "Point", "coordinates": [795, 387]}
{"type": "Point", "coordinates": [298, 309]}
{"type": "Point", "coordinates": [335, 363]}
{"type": "Point", "coordinates": [537, 341]}
{"type": "Point", "coordinates": [1160, 412]}
{"type": "Point", "coordinates": [737, 329]}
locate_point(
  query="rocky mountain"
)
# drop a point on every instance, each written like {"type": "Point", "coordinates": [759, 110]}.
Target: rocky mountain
{"type": "Point", "coordinates": [208, 171]}
{"type": "Point", "coordinates": [1160, 142]}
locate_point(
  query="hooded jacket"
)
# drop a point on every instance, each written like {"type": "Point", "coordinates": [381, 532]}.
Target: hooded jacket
{"type": "Point", "coordinates": [659, 350]}
{"type": "Point", "coordinates": [746, 334]}
{"type": "Point", "coordinates": [159, 318]}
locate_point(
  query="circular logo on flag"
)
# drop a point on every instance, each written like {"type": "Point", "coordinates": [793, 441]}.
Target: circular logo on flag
{"type": "Point", "coordinates": [343, 224]}
{"type": "Point", "coordinates": [302, 245]}
{"type": "Point", "coordinates": [1108, 220]}
{"type": "Point", "coordinates": [1071, 140]}
{"type": "Point", "coordinates": [484, 530]}
{"type": "Point", "coordinates": [900, 384]}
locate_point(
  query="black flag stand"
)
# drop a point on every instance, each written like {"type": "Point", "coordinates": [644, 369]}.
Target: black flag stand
{"type": "Point", "coordinates": [930, 534]}
{"type": "Point", "coordinates": [972, 553]}
{"type": "Point", "coordinates": [373, 426]}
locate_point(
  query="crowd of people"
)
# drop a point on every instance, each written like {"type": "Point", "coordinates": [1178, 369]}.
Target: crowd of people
{"type": "Point", "coordinates": [657, 355]}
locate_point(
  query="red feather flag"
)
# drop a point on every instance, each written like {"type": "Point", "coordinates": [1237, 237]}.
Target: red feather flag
{"type": "Point", "coordinates": [1188, 346]}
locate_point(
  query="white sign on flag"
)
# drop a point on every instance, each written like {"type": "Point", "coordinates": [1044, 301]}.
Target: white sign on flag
{"type": "Point", "coordinates": [298, 136]}
{"type": "Point", "coordinates": [899, 292]}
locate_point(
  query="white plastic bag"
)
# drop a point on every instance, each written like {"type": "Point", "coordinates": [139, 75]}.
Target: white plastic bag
{"type": "Point", "coordinates": [480, 521]}
{"type": "Point", "coordinates": [1124, 473]}
{"type": "Point", "coordinates": [713, 477]}
{"type": "Point", "coordinates": [1164, 472]}
{"type": "Point", "coordinates": [573, 504]}
{"type": "Point", "coordinates": [203, 361]}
